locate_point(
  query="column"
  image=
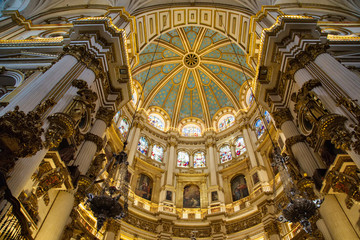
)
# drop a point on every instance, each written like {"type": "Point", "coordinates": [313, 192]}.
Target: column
{"type": "Point", "coordinates": [135, 139]}
{"type": "Point", "coordinates": [57, 216]}
{"type": "Point", "coordinates": [249, 147]}
{"type": "Point", "coordinates": [272, 230]}
{"type": "Point", "coordinates": [112, 229]}
{"type": "Point", "coordinates": [211, 161]}
{"type": "Point", "coordinates": [295, 141]}
{"type": "Point", "coordinates": [171, 162]}
{"type": "Point", "coordinates": [94, 139]}
{"type": "Point", "coordinates": [335, 219]}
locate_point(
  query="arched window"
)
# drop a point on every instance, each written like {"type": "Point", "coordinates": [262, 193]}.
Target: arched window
{"type": "Point", "coordinates": [238, 187]}
{"type": "Point", "coordinates": [199, 160]}
{"type": "Point", "coordinates": [191, 130]}
{"type": "Point", "coordinates": [157, 121]}
{"type": "Point", "coordinates": [116, 117]}
{"type": "Point", "coordinates": [157, 153]}
{"type": "Point", "coordinates": [267, 116]}
{"type": "Point", "coordinates": [135, 98]}
{"type": "Point", "coordinates": [191, 196]}
{"type": "Point", "coordinates": [143, 145]}
{"type": "Point", "coordinates": [249, 97]}
{"type": "Point", "coordinates": [124, 127]}
{"type": "Point", "coordinates": [240, 146]}
{"type": "Point", "coordinates": [225, 154]}
{"type": "Point", "coordinates": [259, 128]}
{"type": "Point", "coordinates": [183, 159]}
{"type": "Point", "coordinates": [225, 122]}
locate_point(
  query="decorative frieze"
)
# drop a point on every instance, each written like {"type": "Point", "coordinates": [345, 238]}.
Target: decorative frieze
{"type": "Point", "coordinates": [243, 224]}
{"type": "Point", "coordinates": [272, 228]}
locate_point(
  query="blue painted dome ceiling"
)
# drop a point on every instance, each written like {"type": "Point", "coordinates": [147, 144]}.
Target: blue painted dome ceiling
{"type": "Point", "coordinates": [195, 72]}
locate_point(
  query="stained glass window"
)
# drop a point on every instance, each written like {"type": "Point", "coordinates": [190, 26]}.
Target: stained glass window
{"type": "Point", "coordinates": [134, 98]}
{"type": "Point", "coordinates": [124, 127]}
{"type": "Point", "coordinates": [226, 122]}
{"type": "Point", "coordinates": [240, 146]}
{"type": "Point", "coordinates": [156, 121]}
{"type": "Point", "coordinates": [249, 98]}
{"type": "Point", "coordinates": [183, 159]}
{"type": "Point", "coordinates": [199, 160]}
{"type": "Point", "coordinates": [116, 117]}
{"type": "Point", "coordinates": [157, 153]}
{"type": "Point", "coordinates": [259, 128]}
{"type": "Point", "coordinates": [143, 145]}
{"type": "Point", "coordinates": [191, 130]}
{"type": "Point", "coordinates": [267, 116]}
{"type": "Point", "coordinates": [225, 154]}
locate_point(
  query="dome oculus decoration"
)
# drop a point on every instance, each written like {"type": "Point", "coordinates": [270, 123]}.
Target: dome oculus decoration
{"type": "Point", "coordinates": [195, 73]}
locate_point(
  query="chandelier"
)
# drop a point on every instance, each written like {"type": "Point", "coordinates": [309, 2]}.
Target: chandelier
{"type": "Point", "coordinates": [108, 203]}
{"type": "Point", "coordinates": [300, 209]}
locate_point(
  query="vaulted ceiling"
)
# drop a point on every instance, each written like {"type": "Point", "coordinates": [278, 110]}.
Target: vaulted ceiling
{"type": "Point", "coordinates": [191, 72]}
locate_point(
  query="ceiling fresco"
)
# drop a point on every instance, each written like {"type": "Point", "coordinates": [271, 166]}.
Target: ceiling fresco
{"type": "Point", "coordinates": [191, 72]}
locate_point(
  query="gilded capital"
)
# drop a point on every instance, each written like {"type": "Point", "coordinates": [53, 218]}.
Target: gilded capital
{"type": "Point", "coordinates": [289, 142]}
{"type": "Point", "coordinates": [61, 126]}
{"type": "Point", "coordinates": [80, 84]}
{"type": "Point", "coordinates": [105, 114]}
{"type": "Point", "coordinates": [95, 139]}
{"type": "Point", "coordinates": [271, 228]}
{"type": "Point", "coordinates": [280, 116]}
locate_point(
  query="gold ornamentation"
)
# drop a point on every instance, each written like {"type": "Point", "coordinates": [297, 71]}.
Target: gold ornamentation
{"type": "Point", "coordinates": [306, 188]}
{"type": "Point", "coordinates": [80, 84]}
{"type": "Point", "coordinates": [96, 166]}
{"type": "Point", "coordinates": [243, 224]}
{"type": "Point", "coordinates": [289, 142]}
{"type": "Point", "coordinates": [332, 127]}
{"type": "Point", "coordinates": [106, 115]}
{"type": "Point", "coordinates": [271, 228]}
{"type": "Point", "coordinates": [184, 232]}
{"type": "Point", "coordinates": [281, 115]}
{"type": "Point", "coordinates": [136, 221]}
{"type": "Point", "coordinates": [20, 134]}
{"type": "Point", "coordinates": [95, 139]}
{"type": "Point", "coordinates": [112, 225]}
{"type": "Point", "coordinates": [30, 203]}
{"type": "Point", "coordinates": [83, 184]}
{"type": "Point", "coordinates": [345, 182]}
{"type": "Point", "coordinates": [61, 126]}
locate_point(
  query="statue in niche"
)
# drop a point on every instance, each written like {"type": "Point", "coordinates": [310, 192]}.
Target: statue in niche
{"type": "Point", "coordinates": [144, 188]}
{"type": "Point", "coordinates": [214, 196]}
{"type": "Point", "coordinates": [169, 195]}
{"type": "Point", "coordinates": [238, 188]}
{"type": "Point", "coordinates": [191, 196]}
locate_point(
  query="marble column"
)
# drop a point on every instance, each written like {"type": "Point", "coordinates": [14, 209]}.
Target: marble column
{"type": "Point", "coordinates": [171, 163]}
{"type": "Point", "coordinates": [295, 141]}
{"type": "Point", "coordinates": [249, 147]}
{"type": "Point", "coordinates": [57, 217]}
{"type": "Point", "coordinates": [212, 163]}
{"type": "Point", "coordinates": [335, 219]}
{"type": "Point", "coordinates": [134, 142]}
{"type": "Point", "coordinates": [94, 139]}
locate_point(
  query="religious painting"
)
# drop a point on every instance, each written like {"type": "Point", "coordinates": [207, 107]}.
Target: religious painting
{"type": "Point", "coordinates": [238, 188]}
{"type": "Point", "coordinates": [255, 178]}
{"type": "Point", "coordinates": [144, 187]}
{"type": "Point", "coordinates": [191, 196]}
{"type": "Point", "coordinates": [214, 196]}
{"type": "Point", "coordinates": [128, 176]}
{"type": "Point", "coordinates": [169, 195]}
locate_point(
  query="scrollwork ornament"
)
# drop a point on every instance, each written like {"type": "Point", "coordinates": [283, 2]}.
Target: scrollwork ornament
{"type": "Point", "coordinates": [61, 126]}
{"type": "Point", "coordinates": [95, 139]}
{"type": "Point", "coordinates": [20, 134]}
{"type": "Point", "coordinates": [281, 116]}
{"type": "Point", "coordinates": [80, 84]}
{"type": "Point", "coordinates": [105, 114]}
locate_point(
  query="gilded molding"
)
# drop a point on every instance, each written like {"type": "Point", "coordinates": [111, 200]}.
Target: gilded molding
{"type": "Point", "coordinates": [61, 126]}
{"type": "Point", "coordinates": [281, 116]}
{"type": "Point", "coordinates": [95, 139]}
{"type": "Point", "coordinates": [289, 142]}
{"type": "Point", "coordinates": [272, 228]}
{"type": "Point", "coordinates": [106, 115]}
{"type": "Point", "coordinates": [112, 225]}
{"type": "Point", "coordinates": [96, 166]}
{"type": "Point", "coordinates": [20, 134]}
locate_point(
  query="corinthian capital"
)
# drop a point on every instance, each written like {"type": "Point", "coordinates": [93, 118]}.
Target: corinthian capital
{"type": "Point", "coordinates": [281, 115]}
{"type": "Point", "coordinates": [106, 115]}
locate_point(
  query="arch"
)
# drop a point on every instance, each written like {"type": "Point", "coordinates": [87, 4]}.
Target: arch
{"type": "Point", "coordinates": [144, 186]}
{"type": "Point", "coordinates": [183, 159]}
{"type": "Point", "coordinates": [191, 130]}
{"type": "Point", "coordinates": [191, 196]}
{"type": "Point", "coordinates": [199, 159]}
{"type": "Point", "coordinates": [225, 122]}
{"type": "Point", "coordinates": [225, 153]}
{"type": "Point", "coordinates": [9, 80]}
{"type": "Point", "coordinates": [143, 145]}
{"type": "Point", "coordinates": [239, 188]}
{"type": "Point", "coordinates": [157, 121]}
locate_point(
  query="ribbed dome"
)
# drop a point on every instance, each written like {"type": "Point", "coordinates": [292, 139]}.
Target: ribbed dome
{"type": "Point", "coordinates": [195, 73]}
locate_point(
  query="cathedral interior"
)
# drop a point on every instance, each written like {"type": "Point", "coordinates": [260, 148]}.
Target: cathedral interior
{"type": "Point", "coordinates": [181, 119]}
